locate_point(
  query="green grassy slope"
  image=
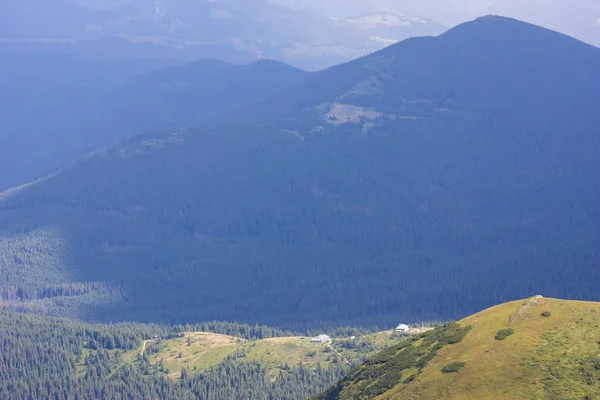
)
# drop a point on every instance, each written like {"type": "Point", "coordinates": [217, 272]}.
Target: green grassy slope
{"type": "Point", "coordinates": [549, 350]}
{"type": "Point", "coordinates": [200, 351]}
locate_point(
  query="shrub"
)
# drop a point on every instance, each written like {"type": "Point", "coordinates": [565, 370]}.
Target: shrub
{"type": "Point", "coordinates": [384, 383]}
{"type": "Point", "coordinates": [453, 367]}
{"type": "Point", "coordinates": [546, 314]}
{"type": "Point", "coordinates": [504, 333]}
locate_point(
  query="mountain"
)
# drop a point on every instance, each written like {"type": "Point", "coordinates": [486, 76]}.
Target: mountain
{"type": "Point", "coordinates": [537, 348]}
{"type": "Point", "coordinates": [485, 63]}
{"type": "Point", "coordinates": [423, 182]}
{"type": "Point", "coordinates": [187, 94]}
{"type": "Point", "coordinates": [44, 101]}
{"type": "Point", "coordinates": [73, 105]}
{"type": "Point", "coordinates": [578, 19]}
{"type": "Point", "coordinates": [230, 30]}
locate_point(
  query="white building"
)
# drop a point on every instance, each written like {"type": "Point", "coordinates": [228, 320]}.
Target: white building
{"type": "Point", "coordinates": [402, 328]}
{"type": "Point", "coordinates": [321, 339]}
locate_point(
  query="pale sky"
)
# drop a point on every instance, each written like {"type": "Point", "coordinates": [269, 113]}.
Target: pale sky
{"type": "Point", "coordinates": [579, 18]}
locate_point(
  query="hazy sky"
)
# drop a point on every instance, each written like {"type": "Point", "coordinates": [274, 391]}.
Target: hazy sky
{"type": "Point", "coordinates": [448, 11]}
{"type": "Point", "coordinates": [455, 11]}
{"type": "Point", "coordinates": [579, 18]}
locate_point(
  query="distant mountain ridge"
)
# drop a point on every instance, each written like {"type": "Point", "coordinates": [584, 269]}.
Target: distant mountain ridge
{"type": "Point", "coordinates": [186, 95]}
{"type": "Point", "coordinates": [425, 181]}
{"type": "Point", "coordinates": [75, 105]}
{"type": "Point", "coordinates": [575, 18]}
{"type": "Point", "coordinates": [381, 82]}
{"type": "Point", "coordinates": [233, 31]}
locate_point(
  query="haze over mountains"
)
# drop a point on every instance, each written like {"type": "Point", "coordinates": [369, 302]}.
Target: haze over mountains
{"type": "Point", "coordinates": [235, 31]}
{"type": "Point", "coordinates": [64, 60]}
{"type": "Point", "coordinates": [576, 18]}
{"type": "Point", "coordinates": [63, 63]}
{"type": "Point", "coordinates": [238, 31]}
{"type": "Point", "coordinates": [75, 106]}
{"type": "Point", "coordinates": [424, 181]}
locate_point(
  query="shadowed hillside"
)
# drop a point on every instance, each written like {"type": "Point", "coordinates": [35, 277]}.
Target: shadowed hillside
{"type": "Point", "coordinates": [55, 108]}
{"type": "Point", "coordinates": [426, 181]}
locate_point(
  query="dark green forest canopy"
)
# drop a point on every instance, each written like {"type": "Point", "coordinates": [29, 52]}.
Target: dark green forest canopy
{"type": "Point", "coordinates": [469, 177]}
{"type": "Point", "coordinates": [47, 358]}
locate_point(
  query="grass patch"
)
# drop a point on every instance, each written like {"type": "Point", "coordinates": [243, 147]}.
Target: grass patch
{"type": "Point", "coordinates": [453, 367]}
{"type": "Point", "coordinates": [504, 333]}
{"type": "Point", "coordinates": [199, 351]}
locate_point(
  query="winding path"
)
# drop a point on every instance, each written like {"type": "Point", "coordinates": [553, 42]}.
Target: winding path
{"type": "Point", "coordinates": [144, 347]}
{"type": "Point", "coordinates": [338, 353]}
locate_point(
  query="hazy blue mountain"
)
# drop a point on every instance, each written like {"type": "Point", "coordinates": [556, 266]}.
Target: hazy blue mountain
{"type": "Point", "coordinates": [185, 95]}
{"type": "Point", "coordinates": [45, 101]}
{"type": "Point", "coordinates": [425, 181]}
{"type": "Point", "coordinates": [575, 18]}
{"type": "Point", "coordinates": [478, 65]}
{"type": "Point", "coordinates": [580, 19]}
{"type": "Point", "coordinates": [230, 30]}
{"type": "Point", "coordinates": [55, 108]}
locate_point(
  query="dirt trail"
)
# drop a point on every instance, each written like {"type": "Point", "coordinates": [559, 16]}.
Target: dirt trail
{"type": "Point", "coordinates": [338, 353]}
{"type": "Point", "coordinates": [144, 347]}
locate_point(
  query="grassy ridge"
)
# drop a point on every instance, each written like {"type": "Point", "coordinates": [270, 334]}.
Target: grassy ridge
{"type": "Point", "coordinates": [547, 357]}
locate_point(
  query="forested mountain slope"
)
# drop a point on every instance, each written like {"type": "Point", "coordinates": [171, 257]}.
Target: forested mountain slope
{"type": "Point", "coordinates": [533, 349]}
{"type": "Point", "coordinates": [426, 181]}
{"type": "Point", "coordinates": [55, 108]}
{"type": "Point", "coordinates": [187, 94]}
{"type": "Point", "coordinates": [495, 71]}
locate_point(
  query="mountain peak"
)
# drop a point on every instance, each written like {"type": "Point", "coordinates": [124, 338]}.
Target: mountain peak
{"type": "Point", "coordinates": [490, 22]}
{"type": "Point", "coordinates": [495, 28]}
